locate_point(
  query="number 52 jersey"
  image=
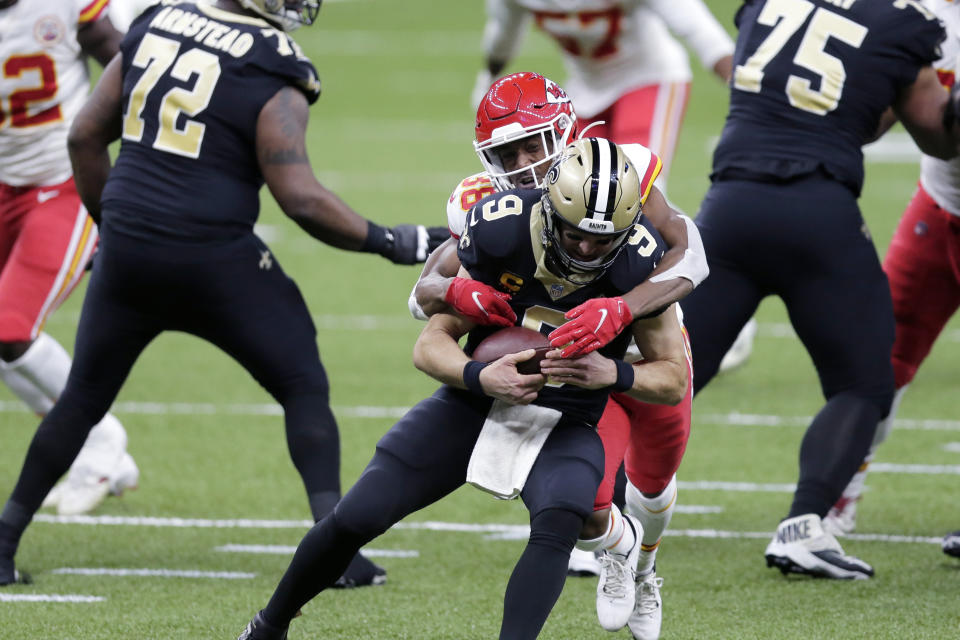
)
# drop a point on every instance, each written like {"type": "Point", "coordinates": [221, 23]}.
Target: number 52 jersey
{"type": "Point", "coordinates": [195, 78]}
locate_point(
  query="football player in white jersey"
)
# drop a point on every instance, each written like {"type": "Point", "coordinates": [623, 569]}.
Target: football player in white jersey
{"type": "Point", "coordinates": [628, 76]}
{"type": "Point", "coordinates": [923, 267]}
{"type": "Point", "coordinates": [523, 122]}
{"type": "Point", "coordinates": [46, 237]}
{"type": "Point", "coordinates": [123, 12]}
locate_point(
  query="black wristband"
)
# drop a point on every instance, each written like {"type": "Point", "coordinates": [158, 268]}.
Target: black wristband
{"type": "Point", "coordinates": [376, 241]}
{"type": "Point", "coordinates": [625, 375]}
{"type": "Point", "coordinates": [471, 376]}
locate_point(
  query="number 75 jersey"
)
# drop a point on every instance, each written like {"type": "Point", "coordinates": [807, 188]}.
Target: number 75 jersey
{"type": "Point", "coordinates": [43, 84]}
{"type": "Point", "coordinates": [812, 77]}
{"type": "Point", "coordinates": [195, 78]}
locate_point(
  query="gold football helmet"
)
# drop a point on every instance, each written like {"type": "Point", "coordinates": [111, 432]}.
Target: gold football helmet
{"type": "Point", "coordinates": [593, 187]}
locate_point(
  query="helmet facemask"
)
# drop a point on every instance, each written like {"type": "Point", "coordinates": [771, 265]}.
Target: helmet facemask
{"type": "Point", "coordinates": [554, 136]}
{"type": "Point", "coordinates": [286, 14]}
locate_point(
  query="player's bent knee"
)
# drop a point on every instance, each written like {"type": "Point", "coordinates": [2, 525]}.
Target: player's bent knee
{"type": "Point", "coordinates": [556, 528]}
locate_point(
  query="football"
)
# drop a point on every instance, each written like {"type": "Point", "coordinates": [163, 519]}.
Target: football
{"type": "Point", "coordinates": [511, 340]}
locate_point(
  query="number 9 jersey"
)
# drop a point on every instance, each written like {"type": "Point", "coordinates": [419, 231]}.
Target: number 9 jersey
{"type": "Point", "coordinates": [194, 81]}
{"type": "Point", "coordinates": [43, 84]}
{"type": "Point", "coordinates": [811, 80]}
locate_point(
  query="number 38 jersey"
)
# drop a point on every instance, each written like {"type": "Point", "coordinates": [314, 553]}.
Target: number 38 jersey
{"type": "Point", "coordinates": [501, 246]}
{"type": "Point", "coordinates": [194, 81]}
{"type": "Point", "coordinates": [812, 78]}
{"type": "Point", "coordinates": [43, 84]}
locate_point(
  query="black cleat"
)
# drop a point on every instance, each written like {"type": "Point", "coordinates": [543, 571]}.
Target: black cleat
{"type": "Point", "coordinates": [10, 575]}
{"type": "Point", "coordinates": [259, 629]}
{"type": "Point", "coordinates": [951, 544]}
{"type": "Point", "coordinates": [361, 573]}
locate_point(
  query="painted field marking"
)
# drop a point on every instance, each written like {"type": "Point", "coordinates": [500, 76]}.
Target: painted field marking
{"type": "Point", "coordinates": [42, 597]}
{"type": "Point", "coordinates": [154, 573]}
{"type": "Point", "coordinates": [282, 549]}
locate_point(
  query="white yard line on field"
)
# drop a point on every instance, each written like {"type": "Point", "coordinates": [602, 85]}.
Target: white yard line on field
{"type": "Point", "coordinates": [47, 597]}
{"type": "Point", "coordinates": [734, 418]}
{"type": "Point", "coordinates": [492, 531]}
{"type": "Point", "coordinates": [155, 573]}
{"type": "Point", "coordinates": [282, 549]}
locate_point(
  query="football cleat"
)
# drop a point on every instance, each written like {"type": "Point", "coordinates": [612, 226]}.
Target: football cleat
{"type": "Point", "coordinates": [616, 590]}
{"type": "Point", "coordinates": [951, 544]}
{"type": "Point", "coordinates": [88, 481]}
{"type": "Point", "coordinates": [801, 545]}
{"type": "Point", "coordinates": [741, 348]}
{"type": "Point", "coordinates": [583, 563]}
{"type": "Point", "coordinates": [10, 575]}
{"type": "Point", "coordinates": [125, 477]}
{"type": "Point", "coordinates": [361, 572]}
{"type": "Point", "coordinates": [259, 629]}
{"type": "Point", "coordinates": [644, 622]}
{"type": "Point", "coordinates": [842, 517]}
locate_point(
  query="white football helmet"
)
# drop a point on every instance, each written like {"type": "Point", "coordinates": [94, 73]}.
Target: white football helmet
{"type": "Point", "coordinates": [595, 188]}
{"type": "Point", "coordinates": [286, 14]}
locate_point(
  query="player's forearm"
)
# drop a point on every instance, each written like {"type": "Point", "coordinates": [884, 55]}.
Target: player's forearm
{"type": "Point", "coordinates": [649, 297]}
{"type": "Point", "coordinates": [91, 166]}
{"type": "Point", "coordinates": [437, 353]}
{"type": "Point", "coordinates": [327, 218]}
{"type": "Point", "coordinates": [430, 292]}
{"type": "Point", "coordinates": [659, 382]}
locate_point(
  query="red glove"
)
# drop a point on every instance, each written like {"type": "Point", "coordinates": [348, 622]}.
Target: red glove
{"type": "Point", "coordinates": [480, 303]}
{"type": "Point", "coordinates": [591, 325]}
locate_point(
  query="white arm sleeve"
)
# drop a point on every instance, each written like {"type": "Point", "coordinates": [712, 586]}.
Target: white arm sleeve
{"type": "Point", "coordinates": [503, 34]}
{"type": "Point", "coordinates": [693, 265]}
{"type": "Point", "coordinates": [692, 21]}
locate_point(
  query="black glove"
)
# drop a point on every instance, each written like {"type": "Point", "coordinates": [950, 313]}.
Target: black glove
{"type": "Point", "coordinates": [412, 243]}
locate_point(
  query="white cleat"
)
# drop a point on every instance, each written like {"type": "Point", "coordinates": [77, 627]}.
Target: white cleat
{"type": "Point", "coordinates": [88, 480]}
{"type": "Point", "coordinates": [616, 591]}
{"type": "Point", "coordinates": [583, 563]}
{"type": "Point", "coordinates": [125, 477]}
{"type": "Point", "coordinates": [801, 545]}
{"type": "Point", "coordinates": [647, 613]}
{"type": "Point", "coordinates": [741, 348]}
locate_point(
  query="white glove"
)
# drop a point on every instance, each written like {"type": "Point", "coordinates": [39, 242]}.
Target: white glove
{"type": "Point", "coordinates": [480, 87]}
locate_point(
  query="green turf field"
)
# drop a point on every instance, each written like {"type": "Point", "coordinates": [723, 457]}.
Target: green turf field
{"type": "Point", "coordinates": [391, 134]}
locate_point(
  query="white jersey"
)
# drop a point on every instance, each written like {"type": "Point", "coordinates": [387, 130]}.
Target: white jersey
{"type": "Point", "coordinates": [122, 12]}
{"type": "Point", "coordinates": [44, 83]}
{"type": "Point", "coordinates": [941, 178]}
{"type": "Point", "coordinates": [611, 47]}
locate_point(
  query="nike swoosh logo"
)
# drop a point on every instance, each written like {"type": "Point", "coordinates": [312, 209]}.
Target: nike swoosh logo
{"type": "Point", "coordinates": [603, 317]}
{"type": "Point", "coordinates": [476, 299]}
{"type": "Point", "coordinates": [43, 196]}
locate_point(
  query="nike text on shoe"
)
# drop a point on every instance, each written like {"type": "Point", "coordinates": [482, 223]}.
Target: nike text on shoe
{"type": "Point", "coordinates": [800, 545]}
{"type": "Point", "coordinates": [361, 573]}
{"type": "Point", "coordinates": [583, 563]}
{"type": "Point", "coordinates": [258, 629]}
{"type": "Point", "coordinates": [616, 591]}
{"type": "Point", "coordinates": [644, 622]}
{"type": "Point", "coordinates": [951, 544]}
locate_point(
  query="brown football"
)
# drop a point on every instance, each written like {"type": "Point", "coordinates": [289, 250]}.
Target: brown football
{"type": "Point", "coordinates": [512, 340]}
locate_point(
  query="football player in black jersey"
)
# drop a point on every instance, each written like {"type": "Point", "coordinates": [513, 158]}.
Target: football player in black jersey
{"type": "Point", "coordinates": [581, 236]}
{"type": "Point", "coordinates": [210, 101]}
{"type": "Point", "coordinates": [811, 80]}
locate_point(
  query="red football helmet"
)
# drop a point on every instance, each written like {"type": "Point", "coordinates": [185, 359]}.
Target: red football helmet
{"type": "Point", "coordinates": [518, 106]}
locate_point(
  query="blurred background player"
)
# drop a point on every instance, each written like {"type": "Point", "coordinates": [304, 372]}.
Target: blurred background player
{"type": "Point", "coordinates": [522, 123]}
{"type": "Point", "coordinates": [177, 248]}
{"type": "Point", "coordinates": [628, 77]}
{"type": "Point", "coordinates": [923, 267]}
{"type": "Point", "coordinates": [122, 12]}
{"type": "Point", "coordinates": [558, 246]}
{"type": "Point", "coordinates": [46, 237]}
{"type": "Point", "coordinates": [812, 79]}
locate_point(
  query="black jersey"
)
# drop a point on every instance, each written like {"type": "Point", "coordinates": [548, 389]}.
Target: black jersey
{"type": "Point", "coordinates": [812, 78]}
{"type": "Point", "coordinates": [194, 81]}
{"type": "Point", "coordinates": [501, 246]}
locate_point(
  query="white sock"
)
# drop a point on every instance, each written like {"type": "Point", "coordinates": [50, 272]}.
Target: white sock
{"type": "Point", "coordinates": [39, 375]}
{"type": "Point", "coordinates": [654, 514]}
{"type": "Point", "coordinates": [857, 483]}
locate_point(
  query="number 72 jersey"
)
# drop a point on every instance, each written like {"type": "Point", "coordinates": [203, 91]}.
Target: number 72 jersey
{"type": "Point", "coordinates": [812, 78]}
{"type": "Point", "coordinates": [43, 84]}
{"type": "Point", "coordinates": [195, 78]}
